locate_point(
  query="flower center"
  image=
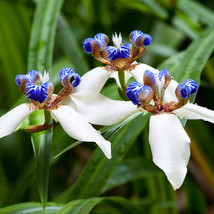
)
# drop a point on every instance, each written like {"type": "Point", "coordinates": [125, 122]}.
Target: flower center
{"type": "Point", "coordinates": [150, 96]}
{"type": "Point", "coordinates": [117, 57]}
{"type": "Point", "coordinates": [41, 96]}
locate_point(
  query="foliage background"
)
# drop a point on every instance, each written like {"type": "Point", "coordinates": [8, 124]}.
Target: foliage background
{"type": "Point", "coordinates": [50, 37]}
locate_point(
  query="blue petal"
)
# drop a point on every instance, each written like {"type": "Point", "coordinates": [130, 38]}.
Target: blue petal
{"type": "Point", "coordinates": [134, 35]}
{"type": "Point", "coordinates": [116, 53]}
{"type": "Point", "coordinates": [37, 93]}
{"type": "Point", "coordinates": [149, 78]}
{"type": "Point", "coordinates": [133, 91]}
{"type": "Point", "coordinates": [87, 45]}
{"type": "Point", "coordinates": [147, 39]}
{"type": "Point", "coordinates": [33, 74]}
{"type": "Point", "coordinates": [164, 73]}
{"type": "Point", "coordinates": [184, 90]}
{"type": "Point", "coordinates": [102, 38]}
{"type": "Point", "coordinates": [69, 73]}
{"type": "Point", "coordinates": [21, 76]}
{"type": "Point", "coordinates": [191, 84]}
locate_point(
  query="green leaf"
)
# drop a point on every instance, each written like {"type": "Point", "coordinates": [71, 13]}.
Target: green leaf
{"type": "Point", "coordinates": [192, 61]}
{"type": "Point", "coordinates": [99, 168]}
{"type": "Point", "coordinates": [147, 6]}
{"type": "Point", "coordinates": [71, 48]}
{"type": "Point", "coordinates": [14, 34]}
{"type": "Point", "coordinates": [40, 58]}
{"type": "Point", "coordinates": [30, 208]}
{"type": "Point", "coordinates": [41, 144]}
{"type": "Point", "coordinates": [112, 204]}
{"type": "Point", "coordinates": [130, 170]}
{"type": "Point", "coordinates": [197, 11]}
{"type": "Point", "coordinates": [43, 34]}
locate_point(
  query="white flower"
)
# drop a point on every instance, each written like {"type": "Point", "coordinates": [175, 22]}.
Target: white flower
{"type": "Point", "coordinates": [42, 97]}
{"type": "Point", "coordinates": [168, 101]}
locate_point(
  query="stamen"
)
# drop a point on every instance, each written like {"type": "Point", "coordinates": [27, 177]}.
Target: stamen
{"type": "Point", "coordinates": [117, 40]}
{"type": "Point", "coordinates": [44, 78]}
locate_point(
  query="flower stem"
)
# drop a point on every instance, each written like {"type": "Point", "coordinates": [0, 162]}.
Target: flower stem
{"type": "Point", "coordinates": [47, 116]}
{"type": "Point", "coordinates": [122, 90]}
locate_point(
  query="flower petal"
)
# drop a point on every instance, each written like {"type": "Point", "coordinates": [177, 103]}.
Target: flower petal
{"type": "Point", "coordinates": [78, 127]}
{"type": "Point", "coordinates": [101, 110]}
{"type": "Point", "coordinates": [194, 112]}
{"type": "Point", "coordinates": [11, 120]}
{"type": "Point", "coordinates": [170, 147]}
{"type": "Point", "coordinates": [94, 80]}
{"type": "Point", "coordinates": [139, 70]}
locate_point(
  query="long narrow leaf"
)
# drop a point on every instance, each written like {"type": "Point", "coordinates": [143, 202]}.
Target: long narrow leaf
{"type": "Point", "coordinates": [40, 58]}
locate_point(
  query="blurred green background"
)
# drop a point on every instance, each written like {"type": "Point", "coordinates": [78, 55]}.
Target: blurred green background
{"type": "Point", "coordinates": [49, 37]}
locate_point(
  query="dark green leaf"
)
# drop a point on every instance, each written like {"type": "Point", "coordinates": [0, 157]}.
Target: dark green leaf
{"type": "Point", "coordinates": [41, 144]}
{"type": "Point", "coordinates": [130, 170]}
{"type": "Point", "coordinates": [42, 35]}
{"type": "Point", "coordinates": [99, 168]}
{"type": "Point", "coordinates": [111, 205]}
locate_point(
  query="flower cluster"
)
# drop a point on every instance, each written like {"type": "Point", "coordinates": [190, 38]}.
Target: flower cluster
{"type": "Point", "coordinates": [80, 104]}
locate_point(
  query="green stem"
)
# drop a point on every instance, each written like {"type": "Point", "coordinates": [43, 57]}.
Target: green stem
{"type": "Point", "coordinates": [122, 90]}
{"type": "Point", "coordinates": [47, 116]}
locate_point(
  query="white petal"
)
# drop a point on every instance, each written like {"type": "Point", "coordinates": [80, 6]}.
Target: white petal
{"type": "Point", "coordinates": [94, 80]}
{"type": "Point", "coordinates": [78, 127]}
{"type": "Point", "coordinates": [101, 110]}
{"type": "Point", "coordinates": [170, 147]}
{"type": "Point", "coordinates": [139, 70]}
{"type": "Point", "coordinates": [194, 112]}
{"type": "Point", "coordinates": [115, 76]}
{"type": "Point", "coordinates": [169, 94]}
{"type": "Point", "coordinates": [11, 120]}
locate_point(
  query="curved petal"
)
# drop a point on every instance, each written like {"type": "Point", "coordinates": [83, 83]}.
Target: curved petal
{"type": "Point", "coordinates": [101, 110]}
{"type": "Point", "coordinates": [194, 112]}
{"type": "Point", "coordinates": [169, 94]}
{"type": "Point", "coordinates": [170, 147]}
{"type": "Point", "coordinates": [139, 70]}
{"type": "Point", "coordinates": [94, 80]}
{"type": "Point", "coordinates": [78, 127]}
{"type": "Point", "coordinates": [11, 120]}
{"type": "Point", "coordinates": [115, 76]}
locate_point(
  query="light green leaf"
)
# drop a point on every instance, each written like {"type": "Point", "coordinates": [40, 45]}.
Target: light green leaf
{"type": "Point", "coordinates": [30, 208]}
{"type": "Point", "coordinates": [42, 35]}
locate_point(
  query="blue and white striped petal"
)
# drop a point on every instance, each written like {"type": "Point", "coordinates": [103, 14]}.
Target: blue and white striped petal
{"type": "Point", "coordinates": [191, 84]}
{"type": "Point", "coordinates": [31, 76]}
{"type": "Point", "coordinates": [116, 53]}
{"type": "Point", "coordinates": [37, 93]}
{"type": "Point", "coordinates": [133, 91]}
{"type": "Point", "coordinates": [138, 38]}
{"type": "Point", "coordinates": [71, 74]}
{"type": "Point", "coordinates": [103, 38]}
{"type": "Point", "coordinates": [21, 77]}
